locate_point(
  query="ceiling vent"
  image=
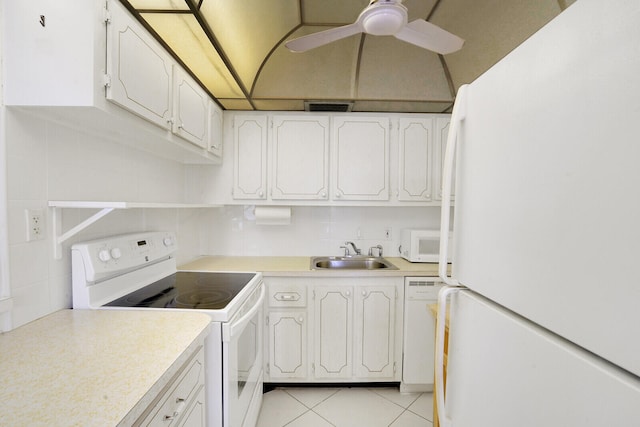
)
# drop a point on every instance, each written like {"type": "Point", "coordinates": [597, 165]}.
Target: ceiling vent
{"type": "Point", "coordinates": [333, 107]}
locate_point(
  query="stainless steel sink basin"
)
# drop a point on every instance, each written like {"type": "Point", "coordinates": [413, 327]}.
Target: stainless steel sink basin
{"type": "Point", "coordinates": [350, 263]}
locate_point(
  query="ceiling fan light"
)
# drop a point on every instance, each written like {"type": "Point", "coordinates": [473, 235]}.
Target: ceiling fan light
{"type": "Point", "coordinates": [384, 22]}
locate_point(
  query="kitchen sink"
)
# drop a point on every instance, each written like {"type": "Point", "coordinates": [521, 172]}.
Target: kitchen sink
{"type": "Point", "coordinates": [350, 263]}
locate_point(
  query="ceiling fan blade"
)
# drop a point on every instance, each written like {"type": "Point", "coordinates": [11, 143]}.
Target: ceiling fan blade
{"type": "Point", "coordinates": [304, 43]}
{"type": "Point", "coordinates": [428, 36]}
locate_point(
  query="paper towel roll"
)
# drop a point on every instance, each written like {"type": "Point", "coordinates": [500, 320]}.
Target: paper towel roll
{"type": "Point", "coordinates": [270, 215]}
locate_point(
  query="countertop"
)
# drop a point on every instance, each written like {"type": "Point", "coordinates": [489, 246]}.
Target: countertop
{"type": "Point", "coordinates": [301, 266]}
{"type": "Point", "coordinates": [93, 367]}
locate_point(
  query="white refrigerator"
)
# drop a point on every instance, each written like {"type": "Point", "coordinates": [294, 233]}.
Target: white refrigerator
{"type": "Point", "coordinates": [545, 295]}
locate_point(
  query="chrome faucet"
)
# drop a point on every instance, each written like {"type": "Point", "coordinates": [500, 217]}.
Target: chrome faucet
{"type": "Point", "coordinates": [346, 248]}
{"type": "Point", "coordinates": [378, 247]}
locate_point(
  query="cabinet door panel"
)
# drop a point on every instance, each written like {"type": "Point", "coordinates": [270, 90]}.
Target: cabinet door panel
{"type": "Point", "coordinates": [300, 158]}
{"type": "Point", "coordinates": [375, 331]}
{"type": "Point", "coordinates": [288, 344]}
{"type": "Point", "coordinates": [415, 159]}
{"type": "Point", "coordinates": [215, 129]}
{"type": "Point", "coordinates": [442, 132]}
{"type": "Point", "coordinates": [332, 332]}
{"type": "Point", "coordinates": [250, 157]}
{"type": "Point", "coordinates": [140, 70]}
{"type": "Point", "coordinates": [190, 109]}
{"type": "Point", "coordinates": [360, 158]}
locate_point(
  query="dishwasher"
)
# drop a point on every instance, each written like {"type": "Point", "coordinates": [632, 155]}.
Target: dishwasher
{"type": "Point", "coordinates": [419, 333]}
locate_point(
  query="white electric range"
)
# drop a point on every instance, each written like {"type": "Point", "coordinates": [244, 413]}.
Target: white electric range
{"type": "Point", "coordinates": [138, 271]}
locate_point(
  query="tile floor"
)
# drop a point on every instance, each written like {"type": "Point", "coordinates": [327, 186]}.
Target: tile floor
{"type": "Point", "coordinates": [345, 407]}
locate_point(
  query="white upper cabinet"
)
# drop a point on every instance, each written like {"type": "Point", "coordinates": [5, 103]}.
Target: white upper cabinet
{"type": "Point", "coordinates": [332, 159]}
{"type": "Point", "coordinates": [215, 124]}
{"type": "Point", "coordinates": [442, 131]}
{"type": "Point", "coordinates": [190, 109]}
{"type": "Point", "coordinates": [415, 159]}
{"type": "Point", "coordinates": [95, 57]}
{"type": "Point", "coordinates": [360, 158]}
{"type": "Point", "coordinates": [250, 157]}
{"type": "Point", "coordinates": [300, 163]}
{"type": "Point", "coordinates": [139, 71]}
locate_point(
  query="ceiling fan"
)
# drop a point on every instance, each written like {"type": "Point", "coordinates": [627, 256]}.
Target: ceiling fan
{"type": "Point", "coordinates": [385, 18]}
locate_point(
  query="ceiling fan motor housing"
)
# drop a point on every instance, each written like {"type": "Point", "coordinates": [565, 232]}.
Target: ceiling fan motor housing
{"type": "Point", "coordinates": [383, 19]}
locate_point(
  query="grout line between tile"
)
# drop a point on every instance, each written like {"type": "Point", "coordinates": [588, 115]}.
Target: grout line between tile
{"type": "Point", "coordinates": [323, 400]}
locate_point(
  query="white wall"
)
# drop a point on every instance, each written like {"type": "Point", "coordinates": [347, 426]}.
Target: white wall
{"type": "Point", "coordinates": [315, 230]}
{"type": "Point", "coordinates": [48, 161]}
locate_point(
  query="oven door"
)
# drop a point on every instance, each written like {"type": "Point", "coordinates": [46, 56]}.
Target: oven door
{"type": "Point", "coordinates": [242, 363]}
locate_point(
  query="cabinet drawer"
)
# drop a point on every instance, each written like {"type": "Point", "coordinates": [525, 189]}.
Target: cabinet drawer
{"type": "Point", "coordinates": [287, 294]}
{"type": "Point", "coordinates": [171, 406]}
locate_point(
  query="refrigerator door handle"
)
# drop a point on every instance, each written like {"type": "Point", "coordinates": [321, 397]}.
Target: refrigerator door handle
{"type": "Point", "coordinates": [441, 319]}
{"type": "Point", "coordinates": [458, 114]}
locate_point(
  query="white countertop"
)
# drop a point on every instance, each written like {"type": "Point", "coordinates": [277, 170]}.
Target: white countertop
{"type": "Point", "coordinates": [301, 266]}
{"type": "Point", "coordinates": [93, 367]}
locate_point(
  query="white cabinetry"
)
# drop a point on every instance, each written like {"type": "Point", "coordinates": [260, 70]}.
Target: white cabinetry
{"type": "Point", "coordinates": [95, 60]}
{"type": "Point", "coordinates": [354, 331]}
{"type": "Point", "coordinates": [442, 131]}
{"type": "Point", "coordinates": [250, 157]}
{"type": "Point", "coordinates": [190, 109]}
{"type": "Point", "coordinates": [139, 71]}
{"type": "Point", "coordinates": [374, 331]}
{"type": "Point", "coordinates": [333, 331]}
{"type": "Point", "coordinates": [415, 159]}
{"type": "Point", "coordinates": [182, 403]}
{"type": "Point", "coordinates": [286, 329]}
{"type": "Point", "coordinates": [360, 158]}
{"type": "Point", "coordinates": [336, 159]}
{"type": "Point", "coordinates": [351, 328]}
{"type": "Point", "coordinates": [215, 124]}
{"type": "Point", "coordinates": [300, 164]}
{"type": "Point", "coordinates": [288, 344]}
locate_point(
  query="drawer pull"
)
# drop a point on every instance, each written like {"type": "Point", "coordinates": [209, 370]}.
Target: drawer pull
{"type": "Point", "coordinates": [181, 404]}
{"type": "Point", "coordinates": [293, 296]}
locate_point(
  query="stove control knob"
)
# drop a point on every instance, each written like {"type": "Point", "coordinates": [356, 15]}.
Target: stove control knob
{"type": "Point", "coordinates": [104, 255]}
{"type": "Point", "coordinates": [115, 253]}
{"type": "Point", "coordinates": [168, 241]}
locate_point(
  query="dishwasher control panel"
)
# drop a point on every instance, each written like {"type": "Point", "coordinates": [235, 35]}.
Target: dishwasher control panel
{"type": "Point", "coordinates": [421, 288]}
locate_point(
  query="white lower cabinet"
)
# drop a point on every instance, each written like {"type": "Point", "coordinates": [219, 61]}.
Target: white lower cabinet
{"type": "Point", "coordinates": [182, 402]}
{"type": "Point", "coordinates": [287, 333]}
{"type": "Point", "coordinates": [333, 332]}
{"type": "Point", "coordinates": [347, 332]}
{"type": "Point", "coordinates": [374, 331]}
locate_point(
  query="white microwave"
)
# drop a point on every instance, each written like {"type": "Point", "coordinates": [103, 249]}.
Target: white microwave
{"type": "Point", "coordinates": [422, 245]}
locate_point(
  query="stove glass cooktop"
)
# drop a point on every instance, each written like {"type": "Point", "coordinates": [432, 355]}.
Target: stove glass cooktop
{"type": "Point", "coordinates": [187, 289]}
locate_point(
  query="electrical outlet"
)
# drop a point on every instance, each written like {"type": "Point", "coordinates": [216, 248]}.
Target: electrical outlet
{"type": "Point", "coordinates": [35, 224]}
{"type": "Point", "coordinates": [387, 233]}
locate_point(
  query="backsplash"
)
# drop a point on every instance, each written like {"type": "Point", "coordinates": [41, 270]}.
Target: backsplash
{"type": "Point", "coordinates": [315, 230]}
{"type": "Point", "coordinates": [48, 161]}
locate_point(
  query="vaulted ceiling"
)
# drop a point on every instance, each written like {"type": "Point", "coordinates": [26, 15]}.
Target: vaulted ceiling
{"type": "Point", "coordinates": [235, 48]}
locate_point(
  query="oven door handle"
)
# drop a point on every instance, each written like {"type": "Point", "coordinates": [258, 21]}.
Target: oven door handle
{"type": "Point", "coordinates": [229, 330]}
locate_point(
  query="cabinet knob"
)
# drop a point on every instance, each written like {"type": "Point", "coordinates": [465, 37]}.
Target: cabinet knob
{"type": "Point", "coordinates": [300, 319]}
{"type": "Point", "coordinates": [348, 293]}
{"type": "Point", "coordinates": [261, 194]}
{"type": "Point", "coordinates": [364, 293]}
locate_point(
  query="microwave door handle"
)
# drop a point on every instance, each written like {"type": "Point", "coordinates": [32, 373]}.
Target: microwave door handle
{"type": "Point", "coordinates": [229, 330]}
{"type": "Point", "coordinates": [457, 116]}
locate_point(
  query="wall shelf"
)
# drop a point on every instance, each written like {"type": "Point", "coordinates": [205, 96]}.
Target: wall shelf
{"type": "Point", "coordinates": [105, 208]}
